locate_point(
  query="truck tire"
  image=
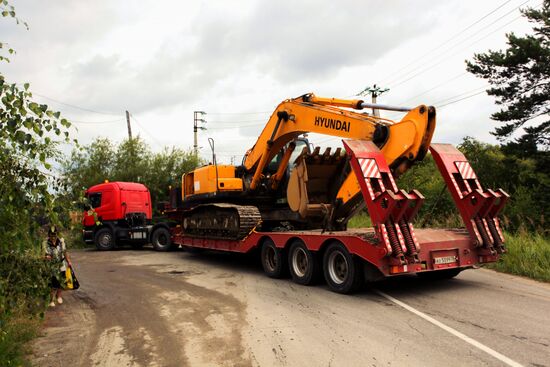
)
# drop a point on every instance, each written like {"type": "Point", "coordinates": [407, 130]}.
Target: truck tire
{"type": "Point", "coordinates": [104, 239]}
{"type": "Point", "coordinates": [273, 261]}
{"type": "Point", "coordinates": [440, 274]}
{"type": "Point", "coordinates": [303, 264]}
{"type": "Point", "coordinates": [343, 272]}
{"type": "Point", "coordinates": [161, 239]}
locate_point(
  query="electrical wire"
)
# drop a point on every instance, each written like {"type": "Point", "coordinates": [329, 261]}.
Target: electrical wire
{"type": "Point", "coordinates": [239, 113]}
{"type": "Point", "coordinates": [74, 106]}
{"type": "Point", "coordinates": [232, 127]}
{"type": "Point", "coordinates": [396, 76]}
{"type": "Point", "coordinates": [145, 131]}
{"type": "Point", "coordinates": [444, 100]}
{"type": "Point", "coordinates": [234, 122]}
{"type": "Point", "coordinates": [96, 122]}
{"type": "Point", "coordinates": [434, 87]}
{"type": "Point", "coordinates": [459, 100]}
{"type": "Point", "coordinates": [431, 66]}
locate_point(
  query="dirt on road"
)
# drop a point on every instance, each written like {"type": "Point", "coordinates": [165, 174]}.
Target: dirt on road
{"type": "Point", "coordinates": [131, 311]}
{"type": "Point", "coordinates": [145, 308]}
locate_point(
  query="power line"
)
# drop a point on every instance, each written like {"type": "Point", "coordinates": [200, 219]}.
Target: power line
{"type": "Point", "coordinates": [96, 122]}
{"type": "Point", "coordinates": [460, 99]}
{"type": "Point", "coordinates": [396, 76]}
{"type": "Point", "coordinates": [145, 131]}
{"type": "Point", "coordinates": [232, 127]}
{"type": "Point", "coordinates": [445, 58]}
{"type": "Point", "coordinates": [482, 88]}
{"type": "Point", "coordinates": [74, 106]}
{"type": "Point", "coordinates": [239, 113]}
{"type": "Point", "coordinates": [234, 122]}
{"type": "Point", "coordinates": [435, 87]}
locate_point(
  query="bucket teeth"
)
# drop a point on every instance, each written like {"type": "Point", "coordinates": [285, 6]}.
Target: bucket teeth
{"type": "Point", "coordinates": [326, 154]}
{"type": "Point", "coordinates": [337, 156]}
{"type": "Point", "coordinates": [326, 157]}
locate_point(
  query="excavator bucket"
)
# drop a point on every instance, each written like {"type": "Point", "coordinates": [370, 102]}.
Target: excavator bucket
{"type": "Point", "coordinates": [311, 180]}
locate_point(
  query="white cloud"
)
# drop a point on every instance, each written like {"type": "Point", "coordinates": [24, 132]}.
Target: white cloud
{"type": "Point", "coordinates": [164, 60]}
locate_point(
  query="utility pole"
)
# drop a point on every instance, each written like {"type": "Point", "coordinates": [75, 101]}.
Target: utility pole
{"type": "Point", "coordinates": [129, 127]}
{"type": "Point", "coordinates": [197, 117]}
{"type": "Point", "coordinates": [374, 91]}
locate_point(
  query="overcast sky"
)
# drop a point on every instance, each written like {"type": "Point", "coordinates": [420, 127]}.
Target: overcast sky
{"type": "Point", "coordinates": [236, 60]}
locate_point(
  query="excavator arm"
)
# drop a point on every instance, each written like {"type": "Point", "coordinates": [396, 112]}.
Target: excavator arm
{"type": "Point", "coordinates": [402, 143]}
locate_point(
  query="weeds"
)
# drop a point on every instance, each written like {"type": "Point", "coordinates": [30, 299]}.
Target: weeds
{"type": "Point", "coordinates": [24, 291]}
{"type": "Point", "coordinates": [528, 255]}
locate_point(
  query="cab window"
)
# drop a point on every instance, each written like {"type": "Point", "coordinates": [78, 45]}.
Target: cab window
{"type": "Point", "coordinates": [95, 199]}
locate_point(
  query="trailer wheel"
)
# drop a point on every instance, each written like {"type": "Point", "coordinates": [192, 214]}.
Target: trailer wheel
{"type": "Point", "coordinates": [303, 264]}
{"type": "Point", "coordinates": [161, 240]}
{"type": "Point", "coordinates": [343, 272]}
{"type": "Point", "coordinates": [440, 274]}
{"type": "Point", "coordinates": [104, 239]}
{"type": "Point", "coordinates": [273, 261]}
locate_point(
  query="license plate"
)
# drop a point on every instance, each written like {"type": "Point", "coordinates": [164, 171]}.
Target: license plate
{"type": "Point", "coordinates": [445, 260]}
{"type": "Point", "coordinates": [137, 235]}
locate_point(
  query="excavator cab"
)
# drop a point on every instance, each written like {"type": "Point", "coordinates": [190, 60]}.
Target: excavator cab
{"type": "Point", "coordinates": [300, 144]}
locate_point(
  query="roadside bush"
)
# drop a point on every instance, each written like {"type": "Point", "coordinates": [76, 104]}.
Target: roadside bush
{"type": "Point", "coordinates": [24, 291]}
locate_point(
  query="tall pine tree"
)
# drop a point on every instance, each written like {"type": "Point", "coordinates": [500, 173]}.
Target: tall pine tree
{"type": "Point", "coordinates": [520, 81]}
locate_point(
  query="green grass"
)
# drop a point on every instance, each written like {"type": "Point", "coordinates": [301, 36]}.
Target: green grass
{"type": "Point", "coordinates": [361, 220]}
{"type": "Point", "coordinates": [528, 255]}
{"type": "Point", "coordinates": [15, 334]}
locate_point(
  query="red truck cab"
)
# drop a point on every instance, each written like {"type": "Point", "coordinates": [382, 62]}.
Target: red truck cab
{"type": "Point", "coordinates": [120, 212]}
{"type": "Point", "coordinates": [113, 200]}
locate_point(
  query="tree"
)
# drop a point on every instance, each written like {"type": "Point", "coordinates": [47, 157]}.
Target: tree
{"type": "Point", "coordinates": [132, 161]}
{"type": "Point", "coordinates": [30, 134]}
{"type": "Point", "coordinates": [87, 166]}
{"type": "Point", "coordinates": [520, 82]}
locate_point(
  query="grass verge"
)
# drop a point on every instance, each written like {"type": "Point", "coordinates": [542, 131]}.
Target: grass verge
{"type": "Point", "coordinates": [15, 334]}
{"type": "Point", "coordinates": [528, 255]}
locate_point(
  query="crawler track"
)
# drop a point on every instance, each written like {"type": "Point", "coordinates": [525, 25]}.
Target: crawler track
{"type": "Point", "coordinates": [221, 221]}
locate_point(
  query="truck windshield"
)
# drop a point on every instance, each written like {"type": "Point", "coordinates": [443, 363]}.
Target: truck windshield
{"type": "Point", "coordinates": [95, 199]}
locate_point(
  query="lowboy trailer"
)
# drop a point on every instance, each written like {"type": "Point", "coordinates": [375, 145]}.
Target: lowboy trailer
{"type": "Point", "coordinates": [393, 246]}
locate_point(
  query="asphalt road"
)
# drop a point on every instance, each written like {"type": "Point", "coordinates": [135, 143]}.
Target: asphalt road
{"type": "Point", "coordinates": [144, 308]}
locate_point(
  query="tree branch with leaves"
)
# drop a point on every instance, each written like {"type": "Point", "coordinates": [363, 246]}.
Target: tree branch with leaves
{"type": "Point", "coordinates": [520, 82]}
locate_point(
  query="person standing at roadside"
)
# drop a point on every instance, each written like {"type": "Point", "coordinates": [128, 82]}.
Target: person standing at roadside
{"type": "Point", "coordinates": [56, 251]}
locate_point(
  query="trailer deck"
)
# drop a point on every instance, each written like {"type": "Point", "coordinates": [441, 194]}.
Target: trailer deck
{"type": "Point", "coordinates": [439, 248]}
{"type": "Point", "coordinates": [392, 246]}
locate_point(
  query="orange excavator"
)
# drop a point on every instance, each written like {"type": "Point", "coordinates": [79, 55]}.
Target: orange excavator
{"type": "Point", "coordinates": [282, 184]}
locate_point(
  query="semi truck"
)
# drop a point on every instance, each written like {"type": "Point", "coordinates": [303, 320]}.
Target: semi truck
{"type": "Point", "coordinates": [121, 213]}
{"type": "Point", "coordinates": [293, 208]}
